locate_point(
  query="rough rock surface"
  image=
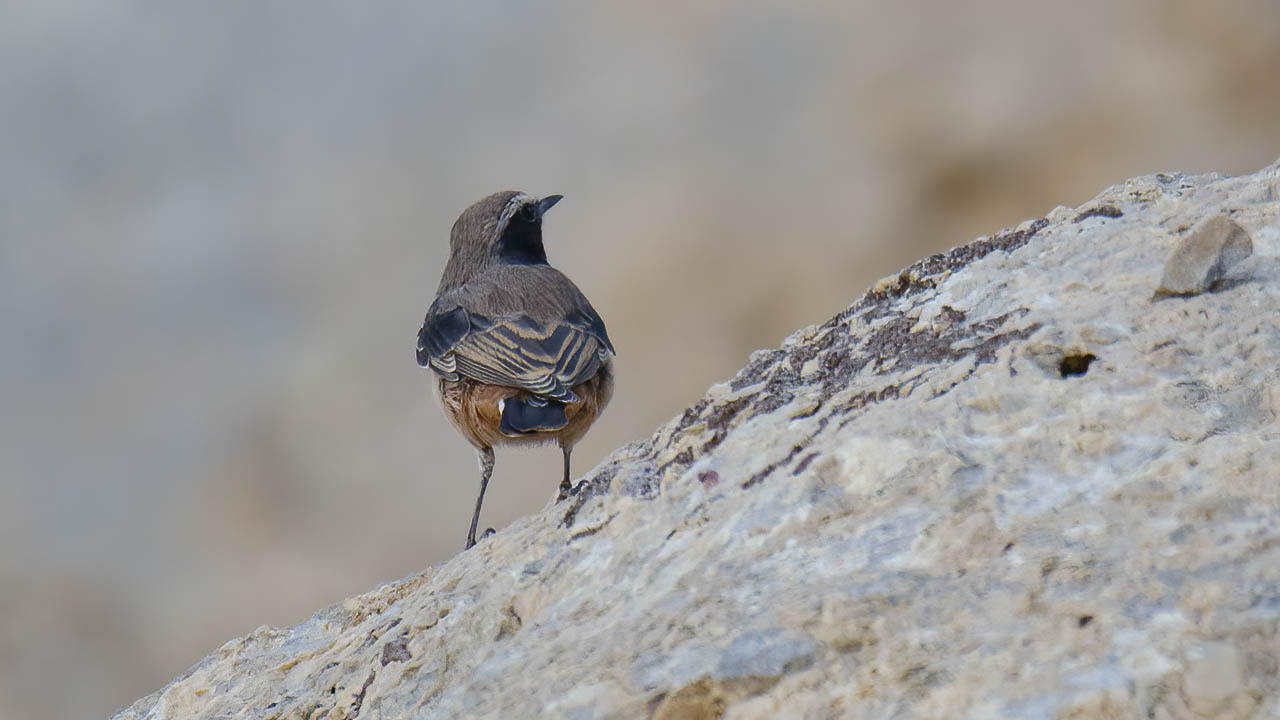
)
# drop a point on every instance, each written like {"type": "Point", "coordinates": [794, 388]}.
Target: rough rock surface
{"type": "Point", "coordinates": [1004, 483]}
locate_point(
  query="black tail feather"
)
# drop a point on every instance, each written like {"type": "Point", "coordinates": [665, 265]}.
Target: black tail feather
{"type": "Point", "coordinates": [521, 416]}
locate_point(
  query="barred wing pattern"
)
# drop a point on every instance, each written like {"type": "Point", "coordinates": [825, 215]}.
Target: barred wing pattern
{"type": "Point", "coordinates": [546, 359]}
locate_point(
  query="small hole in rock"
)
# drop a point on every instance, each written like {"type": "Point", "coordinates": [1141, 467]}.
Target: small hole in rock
{"type": "Point", "coordinates": [1085, 620]}
{"type": "Point", "coordinates": [1075, 364]}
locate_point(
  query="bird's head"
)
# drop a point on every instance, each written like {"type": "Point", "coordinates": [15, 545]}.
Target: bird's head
{"type": "Point", "coordinates": [505, 227]}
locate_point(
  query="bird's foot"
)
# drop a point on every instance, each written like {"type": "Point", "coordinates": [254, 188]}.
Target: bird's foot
{"type": "Point", "coordinates": [566, 490]}
{"type": "Point", "coordinates": [471, 542]}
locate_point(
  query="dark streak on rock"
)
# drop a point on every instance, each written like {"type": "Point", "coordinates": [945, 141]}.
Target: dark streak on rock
{"type": "Point", "coordinates": [752, 373]}
{"type": "Point", "coordinates": [814, 348]}
{"type": "Point", "coordinates": [955, 384]}
{"type": "Point", "coordinates": [718, 423]}
{"type": "Point", "coordinates": [376, 633]}
{"type": "Point", "coordinates": [804, 463]}
{"type": "Point", "coordinates": [774, 397]}
{"type": "Point", "coordinates": [359, 701]}
{"type": "Point", "coordinates": [869, 397]}
{"type": "Point", "coordinates": [768, 470]}
{"type": "Point", "coordinates": [760, 476]}
{"type": "Point", "coordinates": [986, 350]}
{"type": "Point", "coordinates": [692, 413]}
{"type": "Point", "coordinates": [684, 459]}
{"type": "Point", "coordinates": [721, 416]}
{"type": "Point", "coordinates": [716, 438]}
{"type": "Point", "coordinates": [840, 367]}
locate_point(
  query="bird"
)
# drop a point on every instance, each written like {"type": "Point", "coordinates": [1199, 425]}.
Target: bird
{"type": "Point", "coordinates": [518, 353]}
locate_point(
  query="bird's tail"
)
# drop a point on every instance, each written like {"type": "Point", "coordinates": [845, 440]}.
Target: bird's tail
{"type": "Point", "coordinates": [523, 415]}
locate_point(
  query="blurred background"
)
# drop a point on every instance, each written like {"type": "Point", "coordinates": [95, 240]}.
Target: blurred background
{"type": "Point", "coordinates": [222, 223]}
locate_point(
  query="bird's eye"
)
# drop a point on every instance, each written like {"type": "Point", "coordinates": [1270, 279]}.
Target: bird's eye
{"type": "Point", "coordinates": [529, 213]}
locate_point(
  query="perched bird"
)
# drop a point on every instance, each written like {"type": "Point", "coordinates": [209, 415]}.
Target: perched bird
{"type": "Point", "coordinates": [520, 354]}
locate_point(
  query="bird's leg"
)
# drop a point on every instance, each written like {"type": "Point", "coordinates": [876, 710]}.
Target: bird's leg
{"type": "Point", "coordinates": [565, 486]}
{"type": "Point", "coordinates": [486, 470]}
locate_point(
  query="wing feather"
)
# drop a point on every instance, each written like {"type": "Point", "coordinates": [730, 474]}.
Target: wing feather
{"type": "Point", "coordinates": [546, 359]}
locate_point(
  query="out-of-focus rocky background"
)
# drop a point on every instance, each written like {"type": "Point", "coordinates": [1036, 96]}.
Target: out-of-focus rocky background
{"type": "Point", "coordinates": [220, 226]}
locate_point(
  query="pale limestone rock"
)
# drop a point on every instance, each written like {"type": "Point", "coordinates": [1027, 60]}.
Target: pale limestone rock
{"type": "Point", "coordinates": [928, 506]}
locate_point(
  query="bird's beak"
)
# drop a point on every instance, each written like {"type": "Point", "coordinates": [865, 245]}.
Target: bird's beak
{"type": "Point", "coordinates": [547, 202]}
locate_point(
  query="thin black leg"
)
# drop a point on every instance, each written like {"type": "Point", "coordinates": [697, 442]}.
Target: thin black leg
{"type": "Point", "coordinates": [486, 470]}
{"type": "Point", "coordinates": [565, 486]}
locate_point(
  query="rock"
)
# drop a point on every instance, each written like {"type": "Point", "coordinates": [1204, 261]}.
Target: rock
{"type": "Point", "coordinates": [1203, 256]}
{"type": "Point", "coordinates": [1003, 483]}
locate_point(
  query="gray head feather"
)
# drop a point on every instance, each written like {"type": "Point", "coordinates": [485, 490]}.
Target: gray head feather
{"type": "Point", "coordinates": [473, 242]}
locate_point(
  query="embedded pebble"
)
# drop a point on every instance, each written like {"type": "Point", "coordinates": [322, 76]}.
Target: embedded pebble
{"type": "Point", "coordinates": [1204, 256]}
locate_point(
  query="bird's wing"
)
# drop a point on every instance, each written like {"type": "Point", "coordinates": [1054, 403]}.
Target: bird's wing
{"type": "Point", "coordinates": [546, 358]}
